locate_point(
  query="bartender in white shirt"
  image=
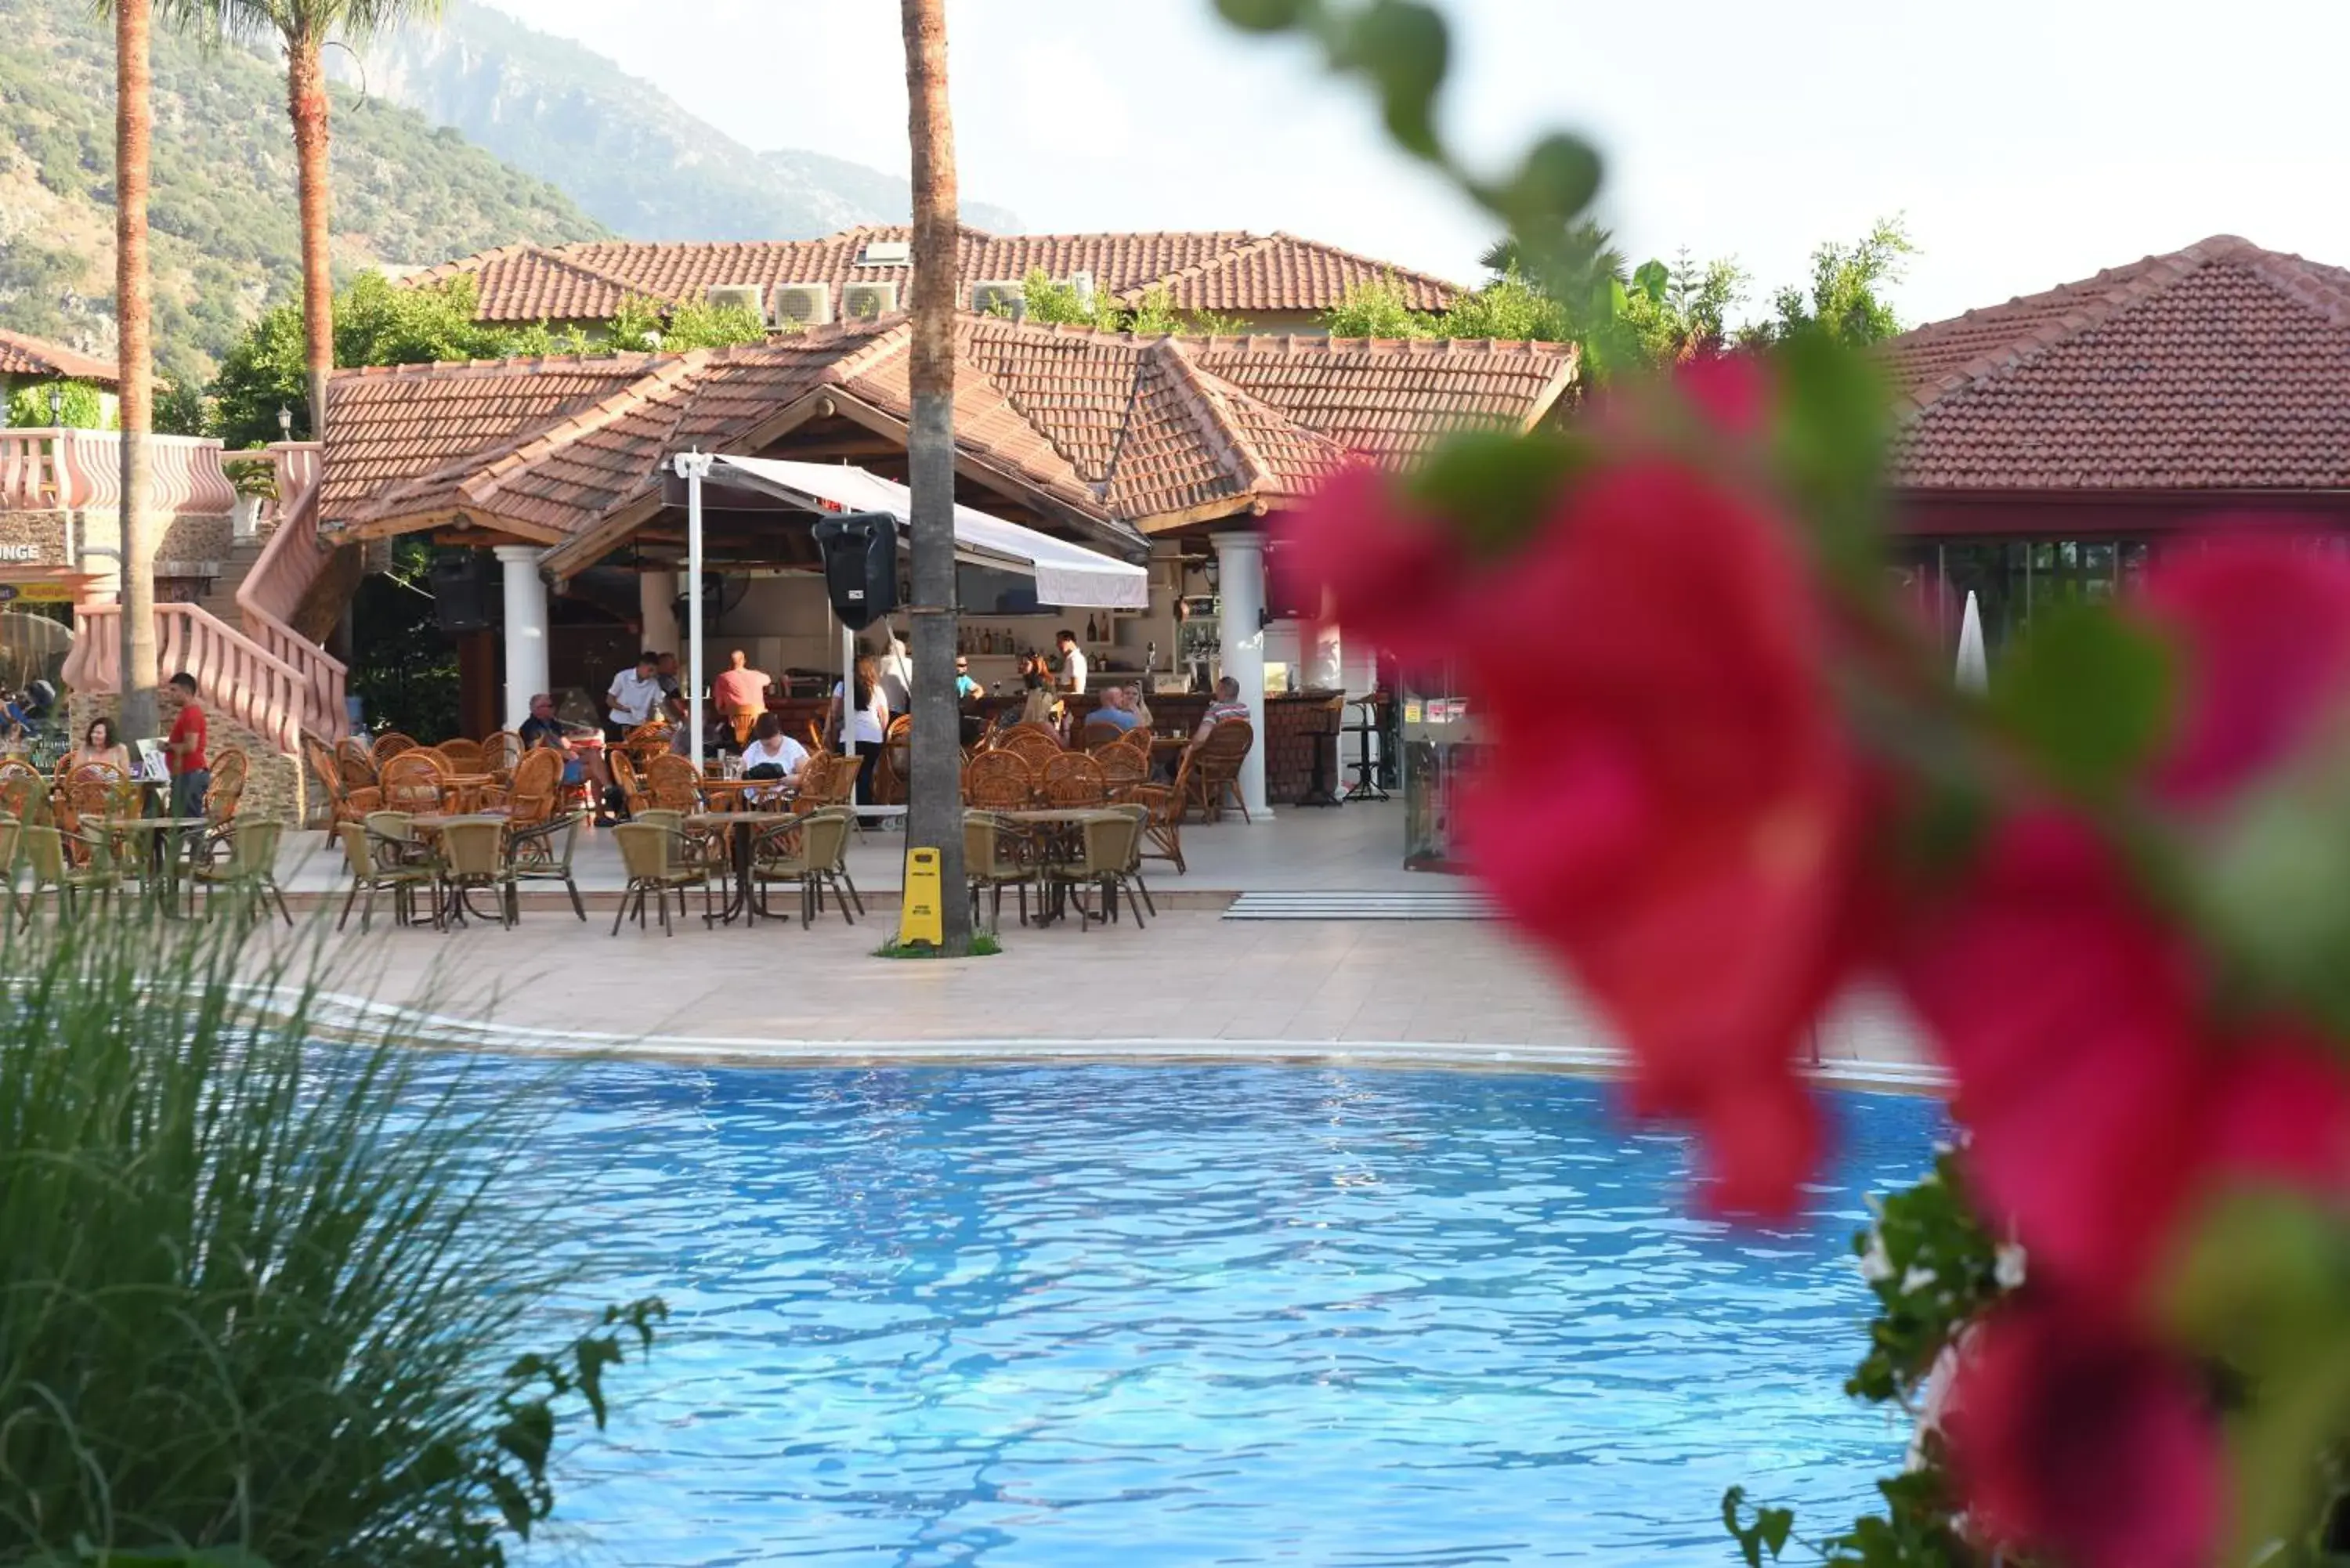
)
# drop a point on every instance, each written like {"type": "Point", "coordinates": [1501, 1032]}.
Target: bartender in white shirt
{"type": "Point", "coordinates": [635, 695]}
{"type": "Point", "coordinates": [1073, 661]}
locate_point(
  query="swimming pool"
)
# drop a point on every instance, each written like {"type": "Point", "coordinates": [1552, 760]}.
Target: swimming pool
{"type": "Point", "coordinates": [1168, 1315]}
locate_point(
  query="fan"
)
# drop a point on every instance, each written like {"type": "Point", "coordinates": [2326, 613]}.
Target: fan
{"type": "Point", "coordinates": [720, 593]}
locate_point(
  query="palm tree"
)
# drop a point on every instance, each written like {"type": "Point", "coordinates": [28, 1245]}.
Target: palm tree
{"type": "Point", "coordinates": [934, 812]}
{"type": "Point", "coordinates": [133, 119]}
{"type": "Point", "coordinates": [303, 26]}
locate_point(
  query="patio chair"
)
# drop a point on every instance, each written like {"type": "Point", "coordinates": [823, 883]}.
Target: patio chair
{"type": "Point", "coordinates": [999, 779]}
{"type": "Point", "coordinates": [24, 798]}
{"type": "Point", "coordinates": [412, 782]}
{"type": "Point", "coordinates": [462, 757]}
{"type": "Point", "coordinates": [250, 872]}
{"type": "Point", "coordinates": [1162, 824]}
{"type": "Point", "coordinates": [634, 802]}
{"type": "Point", "coordinates": [474, 856]}
{"type": "Point", "coordinates": [1099, 732]}
{"type": "Point", "coordinates": [542, 853]}
{"type": "Point", "coordinates": [894, 776]}
{"type": "Point", "coordinates": [230, 770]}
{"type": "Point", "coordinates": [501, 754]}
{"type": "Point", "coordinates": [53, 860]}
{"type": "Point", "coordinates": [672, 783]}
{"type": "Point", "coordinates": [1216, 769]}
{"type": "Point", "coordinates": [1122, 768]}
{"type": "Point", "coordinates": [1140, 816]}
{"type": "Point", "coordinates": [357, 765]}
{"type": "Point", "coordinates": [652, 857]}
{"type": "Point", "coordinates": [1072, 781]}
{"type": "Point", "coordinates": [1035, 744]}
{"type": "Point", "coordinates": [390, 744]}
{"type": "Point", "coordinates": [380, 866]}
{"type": "Point", "coordinates": [830, 781]}
{"type": "Point", "coordinates": [534, 789]}
{"type": "Point", "coordinates": [1107, 861]}
{"type": "Point", "coordinates": [813, 854]}
{"type": "Point", "coordinates": [647, 741]}
{"type": "Point", "coordinates": [993, 860]}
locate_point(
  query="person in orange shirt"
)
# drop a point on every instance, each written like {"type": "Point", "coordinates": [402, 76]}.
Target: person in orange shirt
{"type": "Point", "coordinates": [740, 689]}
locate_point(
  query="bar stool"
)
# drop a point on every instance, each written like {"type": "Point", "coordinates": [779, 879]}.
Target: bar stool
{"type": "Point", "coordinates": [1366, 769]}
{"type": "Point", "coordinates": [1323, 737]}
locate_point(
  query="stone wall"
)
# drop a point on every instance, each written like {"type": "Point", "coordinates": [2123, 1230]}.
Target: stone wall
{"type": "Point", "coordinates": [276, 784]}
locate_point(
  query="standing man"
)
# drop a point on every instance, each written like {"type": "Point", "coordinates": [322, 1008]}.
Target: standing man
{"type": "Point", "coordinates": [635, 693]}
{"type": "Point", "coordinates": [739, 689]}
{"type": "Point", "coordinates": [673, 697]}
{"type": "Point", "coordinates": [1073, 660]}
{"type": "Point", "coordinates": [192, 770]}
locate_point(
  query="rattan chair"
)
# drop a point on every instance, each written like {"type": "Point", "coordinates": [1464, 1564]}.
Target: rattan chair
{"type": "Point", "coordinates": [473, 856]}
{"type": "Point", "coordinates": [892, 778]}
{"type": "Point", "coordinates": [250, 871]}
{"type": "Point", "coordinates": [999, 779]}
{"type": "Point", "coordinates": [24, 798]}
{"type": "Point", "coordinates": [652, 855]}
{"type": "Point", "coordinates": [502, 754]}
{"type": "Point", "coordinates": [1035, 744]}
{"type": "Point", "coordinates": [390, 744]}
{"type": "Point", "coordinates": [542, 853]}
{"type": "Point", "coordinates": [633, 799]}
{"type": "Point", "coordinates": [1163, 806]}
{"type": "Point", "coordinates": [1099, 732]}
{"type": "Point", "coordinates": [412, 782]}
{"type": "Point", "coordinates": [462, 757]}
{"type": "Point", "coordinates": [993, 860]}
{"type": "Point", "coordinates": [1072, 781]}
{"type": "Point", "coordinates": [811, 853]}
{"type": "Point", "coordinates": [1216, 769]}
{"type": "Point", "coordinates": [78, 868]}
{"type": "Point", "coordinates": [672, 783]}
{"type": "Point", "coordinates": [830, 780]}
{"type": "Point", "coordinates": [380, 866]}
{"type": "Point", "coordinates": [1122, 768]}
{"type": "Point", "coordinates": [535, 789]}
{"type": "Point", "coordinates": [1109, 857]}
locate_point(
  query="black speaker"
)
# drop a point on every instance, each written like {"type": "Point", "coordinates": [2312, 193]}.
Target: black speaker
{"type": "Point", "coordinates": [860, 564]}
{"type": "Point", "coordinates": [466, 590]}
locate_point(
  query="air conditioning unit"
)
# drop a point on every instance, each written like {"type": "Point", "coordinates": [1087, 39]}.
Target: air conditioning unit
{"type": "Point", "coordinates": [802, 303]}
{"type": "Point", "coordinates": [1000, 297]}
{"type": "Point", "coordinates": [1083, 282]}
{"type": "Point", "coordinates": [736, 296]}
{"type": "Point", "coordinates": [867, 300]}
{"type": "Point", "coordinates": [886, 253]}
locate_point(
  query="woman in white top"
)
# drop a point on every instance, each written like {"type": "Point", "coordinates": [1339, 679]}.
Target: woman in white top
{"type": "Point", "coordinates": [771, 748]}
{"type": "Point", "coordinates": [869, 724]}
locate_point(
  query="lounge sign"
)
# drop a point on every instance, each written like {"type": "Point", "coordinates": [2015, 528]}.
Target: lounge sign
{"type": "Point", "coordinates": [20, 552]}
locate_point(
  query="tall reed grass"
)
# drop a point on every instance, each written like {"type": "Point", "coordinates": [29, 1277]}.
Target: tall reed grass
{"type": "Point", "coordinates": [259, 1298]}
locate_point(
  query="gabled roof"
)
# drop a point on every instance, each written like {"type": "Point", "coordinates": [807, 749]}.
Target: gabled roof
{"type": "Point", "coordinates": [1114, 433]}
{"type": "Point", "coordinates": [24, 354]}
{"type": "Point", "coordinates": [2222, 366]}
{"type": "Point", "coordinates": [1224, 270]}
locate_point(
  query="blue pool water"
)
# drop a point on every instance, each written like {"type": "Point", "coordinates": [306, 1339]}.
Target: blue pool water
{"type": "Point", "coordinates": [1167, 1315]}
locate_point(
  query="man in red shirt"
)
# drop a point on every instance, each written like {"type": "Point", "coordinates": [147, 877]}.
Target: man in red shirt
{"type": "Point", "coordinates": [192, 776]}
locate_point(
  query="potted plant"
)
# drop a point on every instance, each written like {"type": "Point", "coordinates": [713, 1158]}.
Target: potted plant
{"type": "Point", "coordinates": [254, 480]}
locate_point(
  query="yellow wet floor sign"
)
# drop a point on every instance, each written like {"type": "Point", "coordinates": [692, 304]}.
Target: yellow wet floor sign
{"type": "Point", "coordinates": [920, 919]}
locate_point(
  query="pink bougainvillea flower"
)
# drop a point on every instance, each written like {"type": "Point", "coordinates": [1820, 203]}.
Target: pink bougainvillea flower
{"type": "Point", "coordinates": [1671, 805]}
{"type": "Point", "coordinates": [1396, 573]}
{"type": "Point", "coordinates": [2263, 629]}
{"type": "Point", "coordinates": [2089, 1443]}
{"type": "Point", "coordinates": [1732, 391]}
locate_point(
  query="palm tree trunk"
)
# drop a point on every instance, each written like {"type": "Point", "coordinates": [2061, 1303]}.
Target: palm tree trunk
{"type": "Point", "coordinates": [132, 123]}
{"type": "Point", "coordinates": [934, 812]}
{"type": "Point", "coordinates": [307, 101]}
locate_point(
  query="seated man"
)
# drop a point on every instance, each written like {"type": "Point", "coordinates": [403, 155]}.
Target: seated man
{"type": "Point", "coordinates": [1112, 710]}
{"type": "Point", "coordinates": [1225, 704]}
{"type": "Point", "coordinates": [544, 729]}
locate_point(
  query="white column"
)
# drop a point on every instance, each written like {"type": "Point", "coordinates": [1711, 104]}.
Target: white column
{"type": "Point", "coordinates": [657, 608]}
{"type": "Point", "coordinates": [1240, 582]}
{"type": "Point", "coordinates": [525, 621]}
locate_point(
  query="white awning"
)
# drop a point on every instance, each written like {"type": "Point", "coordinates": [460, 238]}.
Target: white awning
{"type": "Point", "coordinates": [1065, 573]}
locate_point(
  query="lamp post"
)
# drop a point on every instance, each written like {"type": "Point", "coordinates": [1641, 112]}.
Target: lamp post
{"type": "Point", "coordinates": [56, 405]}
{"type": "Point", "coordinates": [284, 422]}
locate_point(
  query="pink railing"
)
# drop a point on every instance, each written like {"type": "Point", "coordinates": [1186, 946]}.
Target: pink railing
{"type": "Point", "coordinates": [236, 677]}
{"type": "Point", "coordinates": [44, 470]}
{"type": "Point", "coordinates": [288, 566]}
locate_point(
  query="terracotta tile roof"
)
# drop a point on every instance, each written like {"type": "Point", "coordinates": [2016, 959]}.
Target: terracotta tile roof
{"type": "Point", "coordinates": [1117, 433]}
{"type": "Point", "coordinates": [1390, 400]}
{"type": "Point", "coordinates": [389, 426]}
{"type": "Point", "coordinates": [23, 355]}
{"type": "Point", "coordinates": [1229, 270]}
{"type": "Point", "coordinates": [2222, 366]}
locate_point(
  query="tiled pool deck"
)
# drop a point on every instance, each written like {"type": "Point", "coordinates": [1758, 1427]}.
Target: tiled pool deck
{"type": "Point", "coordinates": [1190, 985]}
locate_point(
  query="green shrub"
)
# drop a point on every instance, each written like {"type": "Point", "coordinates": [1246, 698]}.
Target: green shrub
{"type": "Point", "coordinates": [259, 1298]}
{"type": "Point", "coordinates": [83, 407]}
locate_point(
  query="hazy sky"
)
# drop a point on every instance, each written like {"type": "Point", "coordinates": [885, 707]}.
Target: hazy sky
{"type": "Point", "coordinates": [2025, 143]}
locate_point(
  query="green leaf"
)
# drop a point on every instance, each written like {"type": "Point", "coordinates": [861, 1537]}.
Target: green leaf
{"type": "Point", "coordinates": [2088, 694]}
{"type": "Point", "coordinates": [1261, 16]}
{"type": "Point", "coordinates": [1402, 45]}
{"type": "Point", "coordinates": [1775, 1524]}
{"type": "Point", "coordinates": [1835, 419]}
{"type": "Point", "coordinates": [2274, 886]}
{"type": "Point", "coordinates": [1652, 277]}
{"type": "Point", "coordinates": [1497, 487]}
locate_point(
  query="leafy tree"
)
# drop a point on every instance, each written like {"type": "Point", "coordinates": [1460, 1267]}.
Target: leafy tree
{"type": "Point", "coordinates": [643, 325]}
{"type": "Point", "coordinates": [1844, 298]}
{"type": "Point", "coordinates": [1682, 310]}
{"type": "Point", "coordinates": [1377, 309]}
{"type": "Point", "coordinates": [1057, 303]}
{"type": "Point", "coordinates": [81, 406]}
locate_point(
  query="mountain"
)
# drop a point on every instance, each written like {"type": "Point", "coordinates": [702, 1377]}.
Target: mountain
{"type": "Point", "coordinates": [222, 206]}
{"type": "Point", "coordinates": [634, 157]}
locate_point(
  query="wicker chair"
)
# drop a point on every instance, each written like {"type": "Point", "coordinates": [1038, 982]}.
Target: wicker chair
{"type": "Point", "coordinates": [390, 744]}
{"type": "Point", "coordinates": [830, 780]}
{"type": "Point", "coordinates": [24, 798]}
{"type": "Point", "coordinates": [992, 861]}
{"type": "Point", "coordinates": [534, 789]}
{"type": "Point", "coordinates": [474, 856]}
{"type": "Point", "coordinates": [502, 754]}
{"type": "Point", "coordinates": [379, 868]}
{"type": "Point", "coordinates": [1216, 769]}
{"type": "Point", "coordinates": [462, 757]}
{"type": "Point", "coordinates": [411, 782]}
{"type": "Point", "coordinates": [356, 763]}
{"type": "Point", "coordinates": [76, 867]}
{"type": "Point", "coordinates": [647, 741]}
{"type": "Point", "coordinates": [652, 855]}
{"type": "Point", "coordinates": [250, 871]}
{"type": "Point", "coordinates": [633, 799]}
{"type": "Point", "coordinates": [1108, 860]}
{"type": "Point", "coordinates": [231, 768]}
{"type": "Point", "coordinates": [1099, 732]}
{"type": "Point", "coordinates": [1035, 744]}
{"type": "Point", "coordinates": [672, 783]}
{"type": "Point", "coordinates": [999, 779]}
{"type": "Point", "coordinates": [1163, 806]}
{"type": "Point", "coordinates": [542, 853]}
{"type": "Point", "coordinates": [1074, 781]}
{"type": "Point", "coordinates": [1122, 768]}
{"type": "Point", "coordinates": [813, 854]}
{"type": "Point", "coordinates": [893, 775]}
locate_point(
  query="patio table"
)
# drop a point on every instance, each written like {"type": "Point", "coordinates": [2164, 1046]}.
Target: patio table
{"type": "Point", "coordinates": [464, 792]}
{"type": "Point", "coordinates": [742, 831]}
{"type": "Point", "coordinates": [1050, 835]}
{"type": "Point", "coordinates": [452, 899]}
